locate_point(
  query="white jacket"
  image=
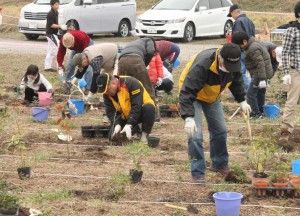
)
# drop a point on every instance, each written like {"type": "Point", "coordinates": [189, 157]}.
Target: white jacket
{"type": "Point", "coordinates": [36, 86]}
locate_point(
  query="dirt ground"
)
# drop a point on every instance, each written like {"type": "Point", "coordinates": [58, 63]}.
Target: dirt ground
{"type": "Point", "coordinates": [78, 181]}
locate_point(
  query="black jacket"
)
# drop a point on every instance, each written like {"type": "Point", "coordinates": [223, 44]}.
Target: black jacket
{"type": "Point", "coordinates": [202, 80]}
{"type": "Point", "coordinates": [143, 47]}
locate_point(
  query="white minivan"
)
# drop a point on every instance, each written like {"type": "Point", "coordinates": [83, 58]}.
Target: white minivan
{"type": "Point", "coordinates": [185, 19]}
{"type": "Point", "coordinates": [90, 16]}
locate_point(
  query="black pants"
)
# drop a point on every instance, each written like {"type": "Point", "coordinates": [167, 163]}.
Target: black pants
{"type": "Point", "coordinates": [30, 95]}
{"type": "Point", "coordinates": [147, 119]}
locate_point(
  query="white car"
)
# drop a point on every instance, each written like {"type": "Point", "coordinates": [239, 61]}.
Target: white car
{"type": "Point", "coordinates": [186, 19]}
{"type": "Point", "coordinates": [90, 16]}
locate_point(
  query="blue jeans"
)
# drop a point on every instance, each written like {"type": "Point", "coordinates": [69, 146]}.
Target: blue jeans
{"type": "Point", "coordinates": [217, 133]}
{"type": "Point", "coordinates": [88, 76]}
{"type": "Point", "coordinates": [256, 97]}
{"type": "Point", "coordinates": [244, 72]}
{"type": "Point", "coordinates": [70, 67]}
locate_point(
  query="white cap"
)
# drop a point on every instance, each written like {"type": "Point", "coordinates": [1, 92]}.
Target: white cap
{"type": "Point", "coordinates": [278, 52]}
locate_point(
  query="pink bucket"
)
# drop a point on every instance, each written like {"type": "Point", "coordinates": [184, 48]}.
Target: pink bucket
{"type": "Point", "coordinates": [45, 98]}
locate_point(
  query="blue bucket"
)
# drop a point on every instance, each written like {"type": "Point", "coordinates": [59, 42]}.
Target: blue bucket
{"type": "Point", "coordinates": [176, 63]}
{"type": "Point", "coordinates": [81, 82]}
{"type": "Point", "coordinates": [272, 110]}
{"type": "Point", "coordinates": [296, 167]}
{"type": "Point", "coordinates": [79, 104]}
{"type": "Point", "coordinates": [40, 114]}
{"type": "Point", "coordinates": [228, 203]}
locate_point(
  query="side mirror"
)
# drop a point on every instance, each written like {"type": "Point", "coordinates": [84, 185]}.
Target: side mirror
{"type": "Point", "coordinates": [87, 2]}
{"type": "Point", "coordinates": [202, 8]}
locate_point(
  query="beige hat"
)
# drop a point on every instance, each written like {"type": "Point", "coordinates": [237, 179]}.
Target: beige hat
{"type": "Point", "coordinates": [68, 40]}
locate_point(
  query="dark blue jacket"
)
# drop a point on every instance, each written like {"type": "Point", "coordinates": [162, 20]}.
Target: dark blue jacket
{"type": "Point", "coordinates": [243, 23]}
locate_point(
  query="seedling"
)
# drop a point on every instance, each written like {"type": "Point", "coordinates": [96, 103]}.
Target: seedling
{"type": "Point", "coordinates": [119, 182]}
{"type": "Point", "coordinates": [8, 203]}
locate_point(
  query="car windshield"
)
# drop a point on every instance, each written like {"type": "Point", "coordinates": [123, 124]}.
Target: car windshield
{"type": "Point", "coordinates": [175, 5]}
{"type": "Point", "coordinates": [47, 2]}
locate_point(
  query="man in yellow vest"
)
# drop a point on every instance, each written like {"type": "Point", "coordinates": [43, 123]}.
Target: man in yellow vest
{"type": "Point", "coordinates": [201, 83]}
{"type": "Point", "coordinates": [127, 103]}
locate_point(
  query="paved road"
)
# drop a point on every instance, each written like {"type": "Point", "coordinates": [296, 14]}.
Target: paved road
{"type": "Point", "coordinates": [40, 46]}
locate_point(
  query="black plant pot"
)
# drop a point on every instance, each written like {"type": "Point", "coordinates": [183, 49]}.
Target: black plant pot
{"type": "Point", "coordinates": [153, 141]}
{"type": "Point", "coordinates": [24, 172]}
{"type": "Point", "coordinates": [9, 212]}
{"type": "Point", "coordinates": [88, 131]}
{"type": "Point", "coordinates": [102, 131]}
{"type": "Point", "coordinates": [136, 176]}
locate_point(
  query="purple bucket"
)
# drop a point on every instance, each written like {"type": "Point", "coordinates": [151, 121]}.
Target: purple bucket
{"type": "Point", "coordinates": [40, 114]}
{"type": "Point", "coordinates": [228, 203]}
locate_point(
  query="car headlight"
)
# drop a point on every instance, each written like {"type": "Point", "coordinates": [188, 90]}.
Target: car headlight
{"type": "Point", "coordinates": [176, 20]}
{"type": "Point", "coordinates": [22, 14]}
{"type": "Point", "coordinates": [138, 20]}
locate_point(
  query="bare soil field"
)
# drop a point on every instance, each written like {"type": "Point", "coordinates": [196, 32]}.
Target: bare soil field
{"type": "Point", "coordinates": [87, 176]}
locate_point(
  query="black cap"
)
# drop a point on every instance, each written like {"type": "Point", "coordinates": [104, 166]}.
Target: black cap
{"type": "Point", "coordinates": [231, 54]}
{"type": "Point", "coordinates": [232, 8]}
{"type": "Point", "coordinates": [297, 10]}
{"type": "Point", "coordinates": [102, 82]}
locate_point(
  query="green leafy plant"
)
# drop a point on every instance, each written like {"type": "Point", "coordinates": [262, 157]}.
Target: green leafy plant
{"type": "Point", "coordinates": [260, 154]}
{"type": "Point", "coordinates": [8, 201]}
{"type": "Point", "coordinates": [138, 150]}
{"type": "Point", "coordinates": [119, 182]}
{"type": "Point", "coordinates": [169, 99]}
{"type": "Point", "coordinates": [17, 143]}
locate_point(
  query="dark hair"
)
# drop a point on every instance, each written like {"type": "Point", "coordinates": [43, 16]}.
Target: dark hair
{"type": "Point", "coordinates": [32, 70]}
{"type": "Point", "coordinates": [297, 10]}
{"type": "Point", "coordinates": [239, 36]}
{"type": "Point", "coordinates": [52, 2]}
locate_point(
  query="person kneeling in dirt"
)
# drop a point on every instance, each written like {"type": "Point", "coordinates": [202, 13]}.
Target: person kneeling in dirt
{"type": "Point", "coordinates": [201, 83]}
{"type": "Point", "coordinates": [127, 103]}
{"type": "Point", "coordinates": [34, 82]}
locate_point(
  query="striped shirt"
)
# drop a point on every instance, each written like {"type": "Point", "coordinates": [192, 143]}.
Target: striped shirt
{"type": "Point", "coordinates": [291, 50]}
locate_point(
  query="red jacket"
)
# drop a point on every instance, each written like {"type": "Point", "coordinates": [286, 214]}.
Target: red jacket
{"type": "Point", "coordinates": [82, 41]}
{"type": "Point", "coordinates": [155, 69]}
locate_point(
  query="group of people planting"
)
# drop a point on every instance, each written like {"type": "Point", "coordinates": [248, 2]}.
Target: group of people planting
{"type": "Point", "coordinates": [129, 76]}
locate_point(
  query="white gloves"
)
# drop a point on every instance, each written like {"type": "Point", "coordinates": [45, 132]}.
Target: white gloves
{"type": "Point", "coordinates": [287, 79]}
{"type": "Point", "coordinates": [61, 74]}
{"type": "Point", "coordinates": [159, 81]}
{"type": "Point", "coordinates": [89, 97]}
{"type": "Point", "coordinates": [74, 81]}
{"type": "Point", "coordinates": [117, 130]}
{"type": "Point", "coordinates": [127, 130]}
{"type": "Point", "coordinates": [245, 107]}
{"type": "Point", "coordinates": [262, 84]}
{"type": "Point", "coordinates": [190, 126]}
{"type": "Point", "coordinates": [50, 90]}
{"type": "Point", "coordinates": [64, 27]}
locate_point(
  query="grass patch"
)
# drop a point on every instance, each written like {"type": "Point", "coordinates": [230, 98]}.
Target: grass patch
{"type": "Point", "coordinates": [41, 197]}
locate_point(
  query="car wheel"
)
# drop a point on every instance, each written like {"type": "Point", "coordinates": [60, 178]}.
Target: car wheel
{"type": "Point", "coordinates": [227, 28]}
{"type": "Point", "coordinates": [188, 34]}
{"type": "Point", "coordinates": [31, 36]}
{"type": "Point", "coordinates": [123, 29]}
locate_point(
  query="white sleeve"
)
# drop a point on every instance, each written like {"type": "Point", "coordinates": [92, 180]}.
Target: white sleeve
{"type": "Point", "coordinates": [46, 83]}
{"type": "Point", "coordinates": [22, 85]}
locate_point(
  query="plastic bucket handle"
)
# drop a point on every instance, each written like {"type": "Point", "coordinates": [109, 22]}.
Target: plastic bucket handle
{"type": "Point", "coordinates": [45, 109]}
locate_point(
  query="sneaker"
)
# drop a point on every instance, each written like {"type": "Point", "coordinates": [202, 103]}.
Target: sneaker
{"type": "Point", "coordinates": [223, 170]}
{"type": "Point", "coordinates": [50, 70]}
{"type": "Point", "coordinates": [198, 180]}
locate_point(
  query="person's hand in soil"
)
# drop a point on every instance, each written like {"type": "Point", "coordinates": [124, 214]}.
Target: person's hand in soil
{"type": "Point", "coordinates": [127, 130]}
{"type": "Point", "coordinates": [117, 130]}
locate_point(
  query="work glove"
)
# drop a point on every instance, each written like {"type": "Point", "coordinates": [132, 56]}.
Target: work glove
{"type": "Point", "coordinates": [287, 79]}
{"type": "Point", "coordinates": [64, 27]}
{"type": "Point", "coordinates": [262, 84]}
{"type": "Point", "coordinates": [50, 91]}
{"type": "Point", "coordinates": [127, 130]}
{"type": "Point", "coordinates": [89, 98]}
{"type": "Point", "coordinates": [61, 74]}
{"type": "Point", "coordinates": [74, 81]}
{"type": "Point", "coordinates": [117, 130]}
{"type": "Point", "coordinates": [245, 107]}
{"type": "Point", "coordinates": [159, 81]}
{"type": "Point", "coordinates": [190, 126]}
